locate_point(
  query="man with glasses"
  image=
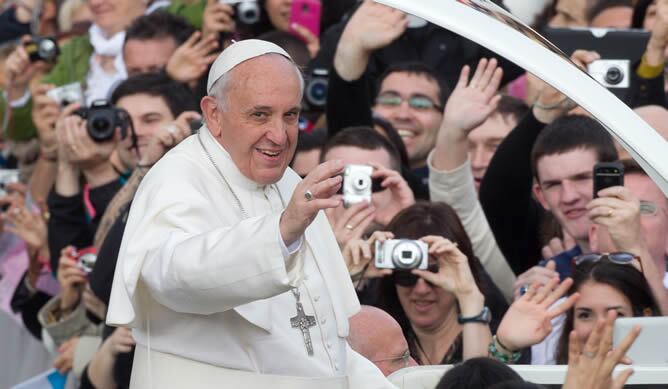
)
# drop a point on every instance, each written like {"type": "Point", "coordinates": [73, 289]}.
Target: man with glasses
{"type": "Point", "coordinates": [375, 335]}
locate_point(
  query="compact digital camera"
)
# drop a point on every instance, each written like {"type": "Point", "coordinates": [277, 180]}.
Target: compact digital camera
{"type": "Point", "coordinates": [611, 73]}
{"type": "Point", "coordinates": [67, 94]}
{"type": "Point", "coordinates": [315, 93]}
{"type": "Point", "coordinates": [86, 259]}
{"type": "Point", "coordinates": [401, 254]}
{"type": "Point", "coordinates": [102, 119]}
{"type": "Point", "coordinates": [42, 49]}
{"type": "Point", "coordinates": [357, 184]}
{"type": "Point", "coordinates": [246, 12]}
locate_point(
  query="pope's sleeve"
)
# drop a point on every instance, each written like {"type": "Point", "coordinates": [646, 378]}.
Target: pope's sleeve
{"type": "Point", "coordinates": [192, 262]}
{"type": "Point", "coordinates": [362, 373]}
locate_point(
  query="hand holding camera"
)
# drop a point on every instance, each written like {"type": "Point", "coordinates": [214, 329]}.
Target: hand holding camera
{"type": "Point", "coordinates": [71, 277]}
{"type": "Point", "coordinates": [352, 223]}
{"type": "Point", "coordinates": [168, 137]}
{"type": "Point", "coordinates": [19, 69]}
{"type": "Point", "coordinates": [360, 256]}
{"type": "Point", "coordinates": [454, 274]}
{"type": "Point", "coordinates": [316, 192]}
{"type": "Point", "coordinates": [619, 211]}
{"type": "Point", "coordinates": [218, 18]}
{"type": "Point", "coordinates": [401, 194]}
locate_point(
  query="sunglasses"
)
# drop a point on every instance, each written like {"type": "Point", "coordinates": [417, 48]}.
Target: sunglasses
{"type": "Point", "coordinates": [408, 279]}
{"type": "Point", "coordinates": [619, 258]}
{"type": "Point", "coordinates": [417, 102]}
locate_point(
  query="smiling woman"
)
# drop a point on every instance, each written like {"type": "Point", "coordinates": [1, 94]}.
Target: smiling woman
{"type": "Point", "coordinates": [429, 311]}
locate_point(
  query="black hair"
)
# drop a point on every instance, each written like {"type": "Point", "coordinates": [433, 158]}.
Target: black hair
{"type": "Point", "coordinates": [570, 133]}
{"type": "Point", "coordinates": [177, 96]}
{"type": "Point", "coordinates": [365, 138]}
{"type": "Point", "coordinates": [626, 279]}
{"type": "Point", "coordinates": [290, 43]}
{"type": "Point", "coordinates": [418, 69]}
{"type": "Point", "coordinates": [477, 373]}
{"type": "Point", "coordinates": [160, 25]}
{"type": "Point", "coordinates": [307, 141]}
{"type": "Point", "coordinates": [516, 385]}
{"type": "Point", "coordinates": [602, 5]}
{"type": "Point", "coordinates": [639, 13]}
{"type": "Point", "coordinates": [512, 107]}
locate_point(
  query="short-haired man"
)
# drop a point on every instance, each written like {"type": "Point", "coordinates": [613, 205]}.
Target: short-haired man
{"type": "Point", "coordinates": [228, 269]}
{"type": "Point", "coordinates": [361, 145]}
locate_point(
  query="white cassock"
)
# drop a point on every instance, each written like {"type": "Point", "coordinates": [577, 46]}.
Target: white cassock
{"type": "Point", "coordinates": [208, 292]}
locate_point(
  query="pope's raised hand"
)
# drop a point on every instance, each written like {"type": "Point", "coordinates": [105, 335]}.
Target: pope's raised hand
{"type": "Point", "coordinates": [316, 192]}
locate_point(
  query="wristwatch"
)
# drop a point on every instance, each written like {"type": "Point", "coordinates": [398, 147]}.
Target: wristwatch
{"type": "Point", "coordinates": [484, 317]}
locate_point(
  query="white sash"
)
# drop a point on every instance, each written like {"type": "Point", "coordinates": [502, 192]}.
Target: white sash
{"type": "Point", "coordinates": [171, 371]}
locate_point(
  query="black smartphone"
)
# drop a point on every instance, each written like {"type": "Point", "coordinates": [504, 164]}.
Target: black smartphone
{"type": "Point", "coordinates": [195, 125]}
{"type": "Point", "coordinates": [607, 174]}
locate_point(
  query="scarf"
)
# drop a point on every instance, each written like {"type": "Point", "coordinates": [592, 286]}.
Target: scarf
{"type": "Point", "coordinates": [98, 81]}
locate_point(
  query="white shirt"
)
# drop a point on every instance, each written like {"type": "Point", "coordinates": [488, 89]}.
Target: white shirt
{"type": "Point", "coordinates": [197, 280]}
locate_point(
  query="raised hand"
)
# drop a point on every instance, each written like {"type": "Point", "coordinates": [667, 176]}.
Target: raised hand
{"type": "Point", "coordinates": [472, 101]}
{"type": "Point", "coordinates": [65, 359]}
{"type": "Point", "coordinates": [359, 255]}
{"type": "Point", "coordinates": [537, 274]}
{"type": "Point", "coordinates": [168, 137]}
{"type": "Point", "coordinates": [71, 279]}
{"type": "Point", "coordinates": [590, 366]}
{"type": "Point", "coordinates": [217, 18]}
{"type": "Point", "coordinates": [19, 70]}
{"type": "Point", "coordinates": [619, 211]}
{"type": "Point", "coordinates": [454, 274]}
{"type": "Point", "coordinates": [192, 59]}
{"type": "Point", "coordinates": [316, 192]}
{"type": "Point", "coordinates": [528, 320]}
{"type": "Point", "coordinates": [371, 27]}
{"type": "Point", "coordinates": [312, 41]}
{"type": "Point", "coordinates": [352, 223]}
{"type": "Point", "coordinates": [402, 195]}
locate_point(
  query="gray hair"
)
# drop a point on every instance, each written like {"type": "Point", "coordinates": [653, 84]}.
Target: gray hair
{"type": "Point", "coordinates": [219, 89]}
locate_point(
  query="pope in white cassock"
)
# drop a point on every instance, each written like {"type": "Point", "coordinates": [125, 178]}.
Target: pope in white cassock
{"type": "Point", "coordinates": [229, 273]}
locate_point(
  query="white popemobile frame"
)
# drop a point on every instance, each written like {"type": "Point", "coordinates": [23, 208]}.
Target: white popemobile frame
{"type": "Point", "coordinates": [487, 24]}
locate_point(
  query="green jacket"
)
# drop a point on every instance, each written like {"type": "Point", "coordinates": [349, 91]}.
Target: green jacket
{"type": "Point", "coordinates": [73, 66]}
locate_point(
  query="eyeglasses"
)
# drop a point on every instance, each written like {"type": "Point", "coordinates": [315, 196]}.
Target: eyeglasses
{"type": "Point", "coordinates": [417, 102]}
{"type": "Point", "coordinates": [648, 208]}
{"type": "Point", "coordinates": [405, 358]}
{"type": "Point", "coordinates": [619, 258]}
{"type": "Point", "coordinates": [408, 279]}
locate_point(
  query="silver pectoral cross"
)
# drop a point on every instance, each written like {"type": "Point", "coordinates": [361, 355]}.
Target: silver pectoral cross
{"type": "Point", "coordinates": [303, 322]}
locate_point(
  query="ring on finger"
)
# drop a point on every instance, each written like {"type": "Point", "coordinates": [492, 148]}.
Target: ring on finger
{"type": "Point", "coordinates": [610, 212]}
{"type": "Point", "coordinates": [308, 195]}
{"type": "Point", "coordinates": [349, 227]}
{"type": "Point", "coordinates": [172, 129]}
{"type": "Point", "coordinates": [589, 354]}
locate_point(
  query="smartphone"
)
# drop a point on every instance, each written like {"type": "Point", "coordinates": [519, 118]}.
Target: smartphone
{"type": "Point", "coordinates": [607, 174]}
{"type": "Point", "coordinates": [306, 13]}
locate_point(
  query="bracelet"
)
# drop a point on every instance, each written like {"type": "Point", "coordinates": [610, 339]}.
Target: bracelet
{"type": "Point", "coordinates": [500, 355]}
{"type": "Point", "coordinates": [147, 166]}
{"type": "Point", "coordinates": [559, 104]}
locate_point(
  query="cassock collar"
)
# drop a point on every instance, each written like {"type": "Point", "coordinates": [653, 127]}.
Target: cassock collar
{"type": "Point", "coordinates": [225, 163]}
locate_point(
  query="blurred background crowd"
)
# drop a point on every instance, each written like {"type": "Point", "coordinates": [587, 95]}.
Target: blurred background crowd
{"type": "Point", "coordinates": [463, 145]}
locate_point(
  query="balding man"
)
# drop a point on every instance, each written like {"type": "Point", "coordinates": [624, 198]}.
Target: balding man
{"type": "Point", "coordinates": [229, 273]}
{"type": "Point", "coordinates": [378, 337]}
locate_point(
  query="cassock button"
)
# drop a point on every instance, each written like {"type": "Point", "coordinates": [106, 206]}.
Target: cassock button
{"type": "Point", "coordinates": [323, 321]}
{"type": "Point", "coordinates": [316, 298]}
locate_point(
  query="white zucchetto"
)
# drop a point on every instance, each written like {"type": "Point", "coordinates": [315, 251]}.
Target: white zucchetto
{"type": "Point", "coordinates": [239, 52]}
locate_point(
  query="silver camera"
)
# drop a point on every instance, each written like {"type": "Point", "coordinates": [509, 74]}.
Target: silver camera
{"type": "Point", "coordinates": [611, 73]}
{"type": "Point", "coordinates": [246, 12]}
{"type": "Point", "coordinates": [87, 262]}
{"type": "Point", "coordinates": [357, 184]}
{"type": "Point", "coordinates": [67, 94]}
{"type": "Point", "coordinates": [7, 176]}
{"type": "Point", "coordinates": [402, 254]}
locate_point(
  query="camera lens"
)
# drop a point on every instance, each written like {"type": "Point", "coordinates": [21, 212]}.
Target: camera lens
{"type": "Point", "coordinates": [100, 128]}
{"type": "Point", "coordinates": [361, 183]}
{"type": "Point", "coordinates": [406, 255]}
{"type": "Point", "coordinates": [248, 12]}
{"type": "Point", "coordinates": [47, 49]}
{"type": "Point", "coordinates": [316, 92]}
{"type": "Point", "coordinates": [614, 75]}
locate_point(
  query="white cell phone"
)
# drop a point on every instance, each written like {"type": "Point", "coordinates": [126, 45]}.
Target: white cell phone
{"type": "Point", "coordinates": [651, 346]}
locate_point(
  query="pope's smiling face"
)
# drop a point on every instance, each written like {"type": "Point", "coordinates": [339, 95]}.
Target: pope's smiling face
{"type": "Point", "coordinates": [257, 121]}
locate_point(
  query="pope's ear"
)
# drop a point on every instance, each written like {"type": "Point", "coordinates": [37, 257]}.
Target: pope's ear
{"type": "Point", "coordinates": [209, 107]}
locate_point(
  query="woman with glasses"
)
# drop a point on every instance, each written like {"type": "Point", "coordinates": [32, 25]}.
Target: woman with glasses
{"type": "Point", "coordinates": [446, 311]}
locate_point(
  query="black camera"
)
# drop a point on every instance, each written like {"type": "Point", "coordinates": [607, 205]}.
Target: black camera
{"type": "Point", "coordinates": [315, 92]}
{"type": "Point", "coordinates": [246, 12]}
{"type": "Point", "coordinates": [42, 49]}
{"type": "Point", "coordinates": [102, 119]}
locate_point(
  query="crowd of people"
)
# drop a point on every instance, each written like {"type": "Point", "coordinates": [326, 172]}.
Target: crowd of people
{"type": "Point", "coordinates": [483, 162]}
